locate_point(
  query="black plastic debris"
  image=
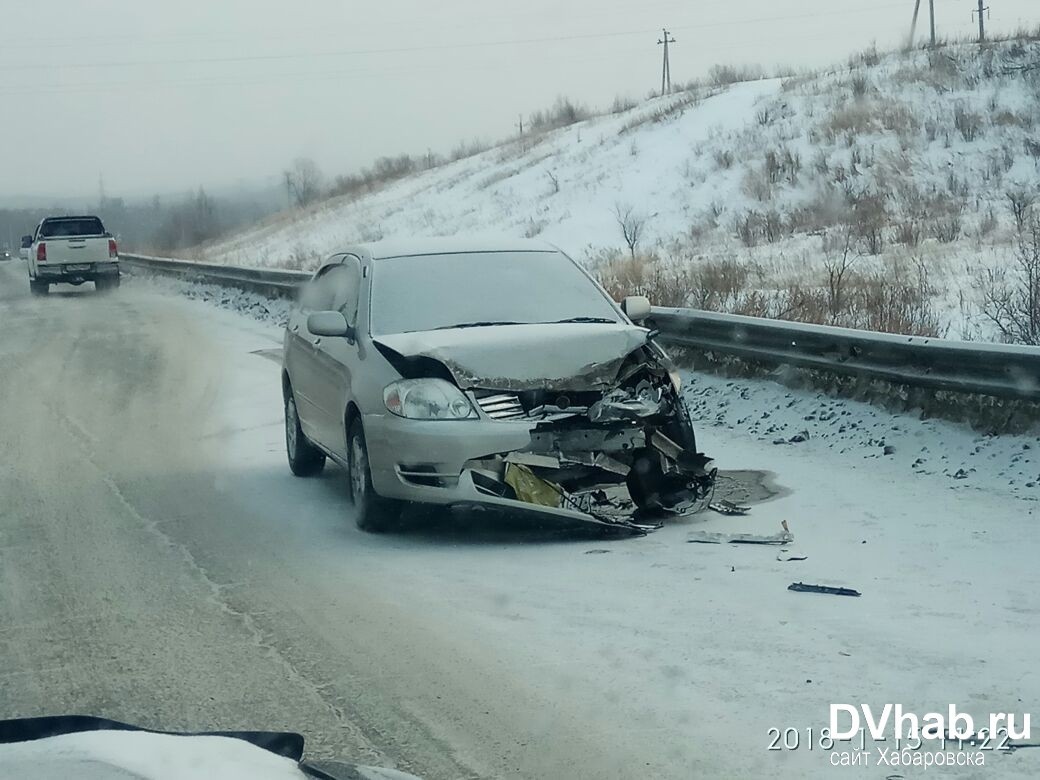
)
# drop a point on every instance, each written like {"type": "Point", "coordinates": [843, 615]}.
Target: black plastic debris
{"type": "Point", "coordinates": [803, 587]}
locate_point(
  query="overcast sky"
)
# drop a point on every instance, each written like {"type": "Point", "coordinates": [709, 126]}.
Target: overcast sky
{"type": "Point", "coordinates": [164, 96]}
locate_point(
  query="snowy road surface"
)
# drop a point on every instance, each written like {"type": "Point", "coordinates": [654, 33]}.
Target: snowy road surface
{"type": "Point", "coordinates": [159, 564]}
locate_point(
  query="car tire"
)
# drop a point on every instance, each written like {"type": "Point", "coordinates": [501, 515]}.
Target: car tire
{"type": "Point", "coordinates": [106, 285]}
{"type": "Point", "coordinates": [37, 287]}
{"type": "Point", "coordinates": [646, 481]}
{"type": "Point", "coordinates": [305, 460]}
{"type": "Point", "coordinates": [372, 512]}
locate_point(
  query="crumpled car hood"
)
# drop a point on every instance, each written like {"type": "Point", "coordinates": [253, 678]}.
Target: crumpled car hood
{"type": "Point", "coordinates": [551, 356]}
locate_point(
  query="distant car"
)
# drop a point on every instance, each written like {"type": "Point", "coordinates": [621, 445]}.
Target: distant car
{"type": "Point", "coordinates": [491, 375]}
{"type": "Point", "coordinates": [5, 255]}
{"type": "Point", "coordinates": [72, 250]}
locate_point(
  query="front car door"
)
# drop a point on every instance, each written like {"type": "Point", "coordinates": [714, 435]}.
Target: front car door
{"type": "Point", "coordinates": [336, 357]}
{"type": "Point", "coordinates": [301, 361]}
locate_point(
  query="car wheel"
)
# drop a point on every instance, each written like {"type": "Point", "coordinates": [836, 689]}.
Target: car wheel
{"type": "Point", "coordinates": [38, 288]}
{"type": "Point", "coordinates": [372, 512]}
{"type": "Point", "coordinates": [305, 460]}
{"type": "Point", "coordinates": [105, 285]}
{"type": "Point", "coordinates": [646, 481]}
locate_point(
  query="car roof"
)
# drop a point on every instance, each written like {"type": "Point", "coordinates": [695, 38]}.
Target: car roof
{"type": "Point", "coordinates": [382, 250]}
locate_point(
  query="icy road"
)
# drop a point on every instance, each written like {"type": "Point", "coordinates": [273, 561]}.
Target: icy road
{"type": "Point", "coordinates": [160, 565]}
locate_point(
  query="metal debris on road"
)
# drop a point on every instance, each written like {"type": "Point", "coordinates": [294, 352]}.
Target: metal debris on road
{"type": "Point", "coordinates": [802, 587]}
{"type": "Point", "coordinates": [724, 507]}
{"type": "Point", "coordinates": [706, 537]}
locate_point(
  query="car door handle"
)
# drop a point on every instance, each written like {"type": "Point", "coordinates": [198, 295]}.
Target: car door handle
{"type": "Point", "coordinates": [317, 342]}
{"type": "Point", "coordinates": [295, 328]}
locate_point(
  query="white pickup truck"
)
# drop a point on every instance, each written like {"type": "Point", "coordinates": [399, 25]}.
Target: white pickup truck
{"type": "Point", "coordinates": [72, 250]}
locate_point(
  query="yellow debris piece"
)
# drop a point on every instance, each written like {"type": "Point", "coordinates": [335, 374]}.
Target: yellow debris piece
{"type": "Point", "coordinates": [530, 487]}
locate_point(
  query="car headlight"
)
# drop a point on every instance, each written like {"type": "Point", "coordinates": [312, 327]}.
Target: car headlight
{"type": "Point", "coordinates": [427, 399]}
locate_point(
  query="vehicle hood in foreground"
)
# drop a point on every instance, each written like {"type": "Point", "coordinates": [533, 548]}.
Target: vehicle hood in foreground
{"type": "Point", "coordinates": [550, 356]}
{"type": "Point", "coordinates": [86, 748]}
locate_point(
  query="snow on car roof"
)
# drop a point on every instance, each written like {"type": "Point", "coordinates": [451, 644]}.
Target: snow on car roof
{"type": "Point", "coordinates": [382, 250]}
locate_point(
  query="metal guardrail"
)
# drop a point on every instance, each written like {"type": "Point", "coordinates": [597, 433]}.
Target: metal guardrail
{"type": "Point", "coordinates": [997, 370]}
{"type": "Point", "coordinates": [1003, 371]}
{"type": "Point", "coordinates": [268, 282]}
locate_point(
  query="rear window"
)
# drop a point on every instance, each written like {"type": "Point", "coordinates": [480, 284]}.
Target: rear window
{"type": "Point", "coordinates": [59, 228]}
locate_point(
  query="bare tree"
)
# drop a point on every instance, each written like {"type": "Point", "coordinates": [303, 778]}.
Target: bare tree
{"type": "Point", "coordinates": [303, 181]}
{"type": "Point", "coordinates": [631, 224]}
{"type": "Point", "coordinates": [1011, 295]}
{"type": "Point", "coordinates": [837, 267]}
{"type": "Point", "coordinates": [555, 181]}
{"type": "Point", "coordinates": [1020, 202]}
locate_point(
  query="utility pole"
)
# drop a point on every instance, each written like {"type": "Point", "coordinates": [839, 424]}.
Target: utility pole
{"type": "Point", "coordinates": [931, 19]}
{"type": "Point", "coordinates": [983, 9]}
{"type": "Point", "coordinates": [666, 69]}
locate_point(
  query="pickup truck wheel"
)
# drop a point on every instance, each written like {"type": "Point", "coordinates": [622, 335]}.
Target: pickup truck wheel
{"type": "Point", "coordinates": [105, 285]}
{"type": "Point", "coordinates": [372, 512]}
{"type": "Point", "coordinates": [37, 287]}
{"type": "Point", "coordinates": [305, 460]}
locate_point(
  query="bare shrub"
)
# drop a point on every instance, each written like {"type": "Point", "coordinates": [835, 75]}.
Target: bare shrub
{"type": "Point", "coordinates": [381, 172]}
{"type": "Point", "coordinates": [987, 223]}
{"type": "Point", "coordinates": [554, 181]}
{"type": "Point", "coordinates": [721, 75]}
{"type": "Point", "coordinates": [854, 120]}
{"type": "Point", "coordinates": [562, 113]}
{"type": "Point", "coordinates": [748, 227]}
{"type": "Point", "coordinates": [723, 159]}
{"type": "Point", "coordinates": [782, 165]}
{"type": "Point", "coordinates": [908, 231]}
{"type": "Point", "coordinates": [622, 104]}
{"type": "Point", "coordinates": [946, 227]}
{"type": "Point", "coordinates": [643, 274]}
{"type": "Point", "coordinates": [870, 220]}
{"type": "Point", "coordinates": [1011, 294]}
{"type": "Point", "coordinates": [967, 122]}
{"type": "Point", "coordinates": [860, 83]}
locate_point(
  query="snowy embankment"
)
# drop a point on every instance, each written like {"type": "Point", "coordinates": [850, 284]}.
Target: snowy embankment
{"type": "Point", "coordinates": [679, 657]}
{"type": "Point", "coordinates": [631, 159]}
{"type": "Point", "coordinates": [917, 169]}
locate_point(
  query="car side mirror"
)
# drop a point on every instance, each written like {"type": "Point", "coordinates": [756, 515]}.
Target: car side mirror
{"type": "Point", "coordinates": [329, 323]}
{"type": "Point", "coordinates": [26, 242]}
{"type": "Point", "coordinates": [636, 307]}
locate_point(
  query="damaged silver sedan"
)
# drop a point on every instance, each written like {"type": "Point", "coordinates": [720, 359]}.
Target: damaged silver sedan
{"type": "Point", "coordinates": [486, 375]}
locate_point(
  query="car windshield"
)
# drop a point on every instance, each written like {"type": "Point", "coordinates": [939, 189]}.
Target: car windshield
{"type": "Point", "coordinates": [64, 228]}
{"type": "Point", "coordinates": [441, 291]}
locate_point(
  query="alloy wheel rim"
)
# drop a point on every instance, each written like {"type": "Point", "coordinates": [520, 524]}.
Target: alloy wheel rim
{"type": "Point", "coordinates": [290, 427]}
{"type": "Point", "coordinates": [357, 469]}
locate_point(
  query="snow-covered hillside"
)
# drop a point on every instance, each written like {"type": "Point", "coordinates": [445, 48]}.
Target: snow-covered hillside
{"type": "Point", "coordinates": [916, 169]}
{"type": "Point", "coordinates": [598, 164]}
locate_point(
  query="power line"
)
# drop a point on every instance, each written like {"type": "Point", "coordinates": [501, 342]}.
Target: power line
{"type": "Point", "coordinates": [429, 47]}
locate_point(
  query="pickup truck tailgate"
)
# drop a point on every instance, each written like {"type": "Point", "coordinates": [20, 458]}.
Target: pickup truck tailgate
{"type": "Point", "coordinates": [77, 250]}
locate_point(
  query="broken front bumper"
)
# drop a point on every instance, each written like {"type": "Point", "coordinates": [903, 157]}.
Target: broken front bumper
{"type": "Point", "coordinates": [428, 462]}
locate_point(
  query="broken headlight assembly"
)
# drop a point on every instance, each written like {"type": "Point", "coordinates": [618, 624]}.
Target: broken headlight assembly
{"type": "Point", "coordinates": [427, 399]}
